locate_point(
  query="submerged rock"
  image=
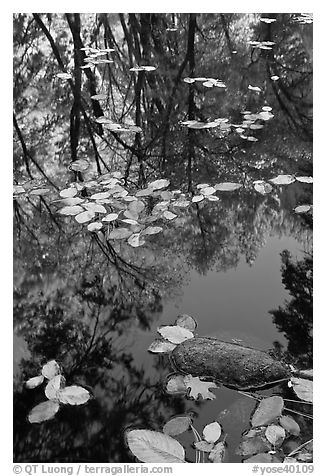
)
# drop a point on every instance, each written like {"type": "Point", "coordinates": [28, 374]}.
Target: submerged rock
{"type": "Point", "coordinates": [233, 365]}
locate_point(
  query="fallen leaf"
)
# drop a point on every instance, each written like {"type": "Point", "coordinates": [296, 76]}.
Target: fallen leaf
{"type": "Point", "coordinates": [212, 432]}
{"type": "Point", "coordinates": [198, 387]}
{"type": "Point", "coordinates": [154, 447]}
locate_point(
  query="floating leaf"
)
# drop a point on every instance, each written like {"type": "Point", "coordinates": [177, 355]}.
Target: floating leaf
{"type": "Point", "coordinates": [303, 388]}
{"type": "Point", "coordinates": [161, 346]}
{"type": "Point", "coordinates": [39, 191]}
{"type": "Point", "coordinates": [152, 230]}
{"type": "Point", "coordinates": [217, 454]}
{"type": "Point", "coordinates": [79, 165]}
{"type": "Point", "coordinates": [251, 446]}
{"type": "Point", "coordinates": [204, 446]}
{"type": "Point", "coordinates": [304, 179]}
{"type": "Point", "coordinates": [136, 207]}
{"type": "Point", "coordinates": [70, 201]}
{"type": "Point", "coordinates": [186, 321]}
{"type": "Point", "coordinates": [54, 386]}
{"type": "Point", "coordinates": [275, 78]}
{"type": "Point", "coordinates": [267, 411]}
{"type": "Point", "coordinates": [252, 139]}
{"type": "Point", "coordinates": [212, 198]}
{"type": "Point", "coordinates": [177, 426]}
{"type": "Point", "coordinates": [263, 458]}
{"type": "Point", "coordinates": [18, 189]}
{"type": "Point", "coordinates": [71, 210]}
{"type": "Point", "coordinates": [64, 76]}
{"type": "Point", "coordinates": [99, 97]}
{"type": "Point", "coordinates": [51, 369]}
{"type": "Point", "coordinates": [207, 190]}
{"type": "Point", "coordinates": [282, 180]}
{"type": "Point", "coordinates": [198, 387]}
{"type": "Point", "coordinates": [43, 412]}
{"type": "Point", "coordinates": [159, 184]}
{"type": "Point", "coordinates": [254, 88]}
{"type": "Point", "coordinates": [263, 187]}
{"type": "Point", "coordinates": [175, 334]}
{"type": "Point", "coordinates": [169, 215]}
{"type": "Point", "coordinates": [154, 447]}
{"type": "Point", "coordinates": [103, 120]}
{"type": "Point", "coordinates": [198, 198]}
{"type": "Point", "coordinates": [68, 192]}
{"type": "Point", "coordinates": [119, 234]}
{"type": "Point", "coordinates": [95, 207]}
{"type": "Point", "coordinates": [175, 384]}
{"type": "Point", "coordinates": [266, 108]}
{"type": "Point", "coordinates": [34, 381]}
{"type": "Point", "coordinates": [110, 217]}
{"type": "Point", "coordinates": [74, 395]}
{"type": "Point", "coordinates": [275, 434]}
{"type": "Point", "coordinates": [256, 127]}
{"type": "Point", "coordinates": [290, 425]}
{"type": "Point", "coordinates": [212, 432]}
{"type": "Point", "coordinates": [136, 240]}
{"type": "Point", "coordinates": [95, 226]}
{"type": "Point", "coordinates": [100, 195]}
{"type": "Point", "coordinates": [181, 203]}
{"type": "Point", "coordinates": [130, 221]}
{"type": "Point", "coordinates": [84, 217]}
{"type": "Point", "coordinates": [268, 20]}
{"type": "Point", "coordinates": [227, 186]}
{"type": "Point", "coordinates": [189, 80]}
{"type": "Point", "coordinates": [302, 208]}
{"type": "Point", "coordinates": [202, 185]}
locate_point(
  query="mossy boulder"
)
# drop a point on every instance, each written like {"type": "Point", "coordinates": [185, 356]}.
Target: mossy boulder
{"type": "Point", "coordinates": [233, 365]}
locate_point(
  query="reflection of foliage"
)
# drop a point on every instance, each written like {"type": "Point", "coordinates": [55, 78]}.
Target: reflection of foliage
{"type": "Point", "coordinates": [295, 318]}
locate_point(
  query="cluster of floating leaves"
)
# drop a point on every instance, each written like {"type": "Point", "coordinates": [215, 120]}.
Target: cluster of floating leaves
{"type": "Point", "coordinates": [116, 127]}
{"type": "Point", "coordinates": [262, 443]}
{"type": "Point", "coordinates": [160, 447]}
{"type": "Point", "coordinates": [94, 56]}
{"type": "Point", "coordinates": [207, 82]}
{"type": "Point", "coordinates": [304, 18]}
{"type": "Point", "coordinates": [262, 45]}
{"type": "Point", "coordinates": [56, 392]}
{"type": "Point", "coordinates": [31, 188]}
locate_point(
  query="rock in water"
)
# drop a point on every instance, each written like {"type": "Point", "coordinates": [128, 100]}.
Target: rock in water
{"type": "Point", "coordinates": [233, 365]}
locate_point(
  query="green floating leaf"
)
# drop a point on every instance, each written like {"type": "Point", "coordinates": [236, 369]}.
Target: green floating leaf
{"type": "Point", "coordinates": [204, 446]}
{"type": "Point", "coordinates": [212, 432]}
{"type": "Point", "coordinates": [161, 346]}
{"type": "Point", "coordinates": [275, 434]}
{"type": "Point", "coordinates": [68, 192]}
{"type": "Point", "coordinates": [53, 387]}
{"type": "Point", "coordinates": [303, 388]}
{"type": "Point", "coordinates": [175, 384]}
{"type": "Point", "coordinates": [154, 447]}
{"type": "Point", "coordinates": [290, 425]}
{"type": "Point", "coordinates": [217, 454]}
{"type": "Point", "coordinates": [186, 321]}
{"type": "Point", "coordinates": [177, 425]}
{"type": "Point", "coordinates": [199, 388]}
{"type": "Point", "coordinates": [74, 395]}
{"type": "Point", "coordinates": [43, 412]}
{"type": "Point", "coordinates": [84, 217]}
{"type": "Point", "coordinates": [119, 234]}
{"type": "Point", "coordinates": [136, 240]}
{"type": "Point", "coordinates": [95, 226]}
{"type": "Point", "coordinates": [282, 180]}
{"type": "Point", "coordinates": [267, 411]}
{"type": "Point", "coordinates": [175, 334]}
{"type": "Point", "coordinates": [34, 382]}
{"type": "Point", "coordinates": [95, 207]}
{"type": "Point", "coordinates": [100, 195]}
{"type": "Point", "coordinates": [227, 186]}
{"type": "Point", "coordinates": [51, 369]}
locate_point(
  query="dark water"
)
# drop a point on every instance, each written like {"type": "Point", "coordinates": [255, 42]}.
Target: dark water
{"type": "Point", "coordinates": [96, 309]}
